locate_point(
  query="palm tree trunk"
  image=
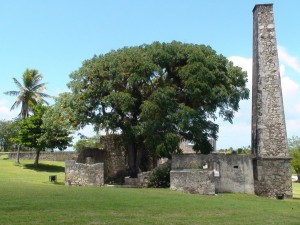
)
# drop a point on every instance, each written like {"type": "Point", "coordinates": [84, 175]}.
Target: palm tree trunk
{"type": "Point", "coordinates": [18, 156]}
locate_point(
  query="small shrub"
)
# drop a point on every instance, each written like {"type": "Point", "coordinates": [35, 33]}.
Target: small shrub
{"type": "Point", "coordinates": [160, 177]}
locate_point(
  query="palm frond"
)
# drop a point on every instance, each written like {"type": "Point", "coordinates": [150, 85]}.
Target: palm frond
{"type": "Point", "coordinates": [30, 92]}
{"type": "Point", "coordinates": [15, 105]}
{"type": "Point", "coordinates": [12, 93]}
{"type": "Point", "coordinates": [38, 87]}
{"type": "Point", "coordinates": [20, 86]}
{"type": "Point", "coordinates": [44, 95]}
{"type": "Point", "coordinates": [47, 103]}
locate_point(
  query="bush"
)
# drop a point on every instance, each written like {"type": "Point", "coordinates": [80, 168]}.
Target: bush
{"type": "Point", "coordinates": [160, 177]}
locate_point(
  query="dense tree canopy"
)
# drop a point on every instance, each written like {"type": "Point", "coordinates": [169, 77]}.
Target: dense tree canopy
{"type": "Point", "coordinates": [293, 143]}
{"type": "Point", "coordinates": [294, 149]}
{"type": "Point", "coordinates": [155, 95]}
{"type": "Point", "coordinates": [8, 133]}
{"type": "Point", "coordinates": [296, 161]}
{"type": "Point", "coordinates": [39, 134]}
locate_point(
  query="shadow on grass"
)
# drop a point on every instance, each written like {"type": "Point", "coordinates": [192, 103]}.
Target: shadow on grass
{"type": "Point", "coordinates": [59, 183]}
{"type": "Point", "coordinates": [45, 168]}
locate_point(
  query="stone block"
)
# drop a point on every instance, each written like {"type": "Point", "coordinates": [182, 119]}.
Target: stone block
{"type": "Point", "coordinates": [194, 181]}
{"type": "Point", "coordinates": [84, 174]}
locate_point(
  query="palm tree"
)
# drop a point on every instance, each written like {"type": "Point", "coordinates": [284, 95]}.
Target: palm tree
{"type": "Point", "coordinates": [29, 93]}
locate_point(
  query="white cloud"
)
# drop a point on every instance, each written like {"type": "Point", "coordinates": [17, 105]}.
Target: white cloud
{"type": "Point", "coordinates": [282, 70]}
{"type": "Point", "coordinates": [5, 112]}
{"type": "Point", "coordinates": [289, 87]}
{"type": "Point", "coordinates": [245, 64]}
{"type": "Point", "coordinates": [288, 59]}
{"type": "Point", "coordinates": [293, 127]}
{"type": "Point", "coordinates": [238, 134]}
{"type": "Point", "coordinates": [297, 107]}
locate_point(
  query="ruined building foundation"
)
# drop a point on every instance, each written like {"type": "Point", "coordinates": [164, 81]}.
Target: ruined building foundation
{"type": "Point", "coordinates": [271, 165]}
{"type": "Point", "coordinates": [267, 172]}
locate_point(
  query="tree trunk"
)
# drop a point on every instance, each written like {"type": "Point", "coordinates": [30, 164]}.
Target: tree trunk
{"type": "Point", "coordinates": [36, 161]}
{"type": "Point", "coordinates": [18, 156]}
{"type": "Point", "coordinates": [132, 160]}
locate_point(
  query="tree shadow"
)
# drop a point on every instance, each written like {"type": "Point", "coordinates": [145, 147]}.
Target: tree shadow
{"type": "Point", "coordinates": [45, 168]}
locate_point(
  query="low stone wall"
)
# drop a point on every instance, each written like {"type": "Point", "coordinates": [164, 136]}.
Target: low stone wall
{"type": "Point", "coordinates": [225, 173]}
{"type": "Point", "coordinates": [189, 161]}
{"type": "Point", "coordinates": [235, 173]}
{"type": "Point", "coordinates": [80, 174]}
{"type": "Point", "coordinates": [194, 181]}
{"type": "Point", "coordinates": [141, 181]}
{"type": "Point", "coordinates": [49, 156]}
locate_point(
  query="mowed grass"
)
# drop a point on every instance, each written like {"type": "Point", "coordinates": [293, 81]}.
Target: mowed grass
{"type": "Point", "coordinates": [27, 197]}
{"type": "Point", "coordinates": [296, 190]}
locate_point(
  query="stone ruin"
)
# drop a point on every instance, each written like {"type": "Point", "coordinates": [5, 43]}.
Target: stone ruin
{"type": "Point", "coordinates": [113, 158]}
{"type": "Point", "coordinates": [110, 160]}
{"type": "Point", "coordinates": [272, 167]}
{"type": "Point", "coordinates": [213, 173]}
{"type": "Point", "coordinates": [266, 172]}
{"type": "Point", "coordinates": [81, 174]}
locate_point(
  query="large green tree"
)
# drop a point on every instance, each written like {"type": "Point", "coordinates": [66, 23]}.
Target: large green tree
{"type": "Point", "coordinates": [8, 133]}
{"type": "Point", "coordinates": [155, 95]}
{"type": "Point", "coordinates": [293, 143]}
{"type": "Point", "coordinates": [30, 92]}
{"type": "Point", "coordinates": [296, 161]}
{"type": "Point", "coordinates": [294, 149]}
{"type": "Point", "coordinates": [39, 133]}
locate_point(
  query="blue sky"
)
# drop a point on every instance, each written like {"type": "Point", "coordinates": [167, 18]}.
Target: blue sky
{"type": "Point", "coordinates": [55, 37]}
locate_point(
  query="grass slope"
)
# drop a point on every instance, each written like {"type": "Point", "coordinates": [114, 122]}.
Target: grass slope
{"type": "Point", "coordinates": [27, 197]}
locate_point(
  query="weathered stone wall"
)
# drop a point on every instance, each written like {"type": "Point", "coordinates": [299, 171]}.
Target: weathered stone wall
{"type": "Point", "coordinates": [49, 156]}
{"type": "Point", "coordinates": [113, 155]}
{"type": "Point", "coordinates": [187, 147]}
{"type": "Point", "coordinates": [189, 161]}
{"type": "Point", "coordinates": [231, 173]}
{"type": "Point", "coordinates": [272, 177]}
{"type": "Point", "coordinates": [94, 155]}
{"type": "Point", "coordinates": [194, 181]}
{"type": "Point", "coordinates": [269, 139]}
{"type": "Point", "coordinates": [84, 174]}
{"type": "Point", "coordinates": [268, 125]}
{"type": "Point", "coordinates": [116, 163]}
{"type": "Point", "coordinates": [235, 173]}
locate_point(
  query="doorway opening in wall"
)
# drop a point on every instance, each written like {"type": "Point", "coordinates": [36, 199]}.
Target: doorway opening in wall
{"type": "Point", "coordinates": [216, 169]}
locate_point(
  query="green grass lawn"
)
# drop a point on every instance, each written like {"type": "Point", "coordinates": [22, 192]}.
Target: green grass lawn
{"type": "Point", "coordinates": [27, 197]}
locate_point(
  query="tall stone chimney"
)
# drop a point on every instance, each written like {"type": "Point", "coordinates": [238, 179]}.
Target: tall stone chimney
{"type": "Point", "coordinates": [272, 175]}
